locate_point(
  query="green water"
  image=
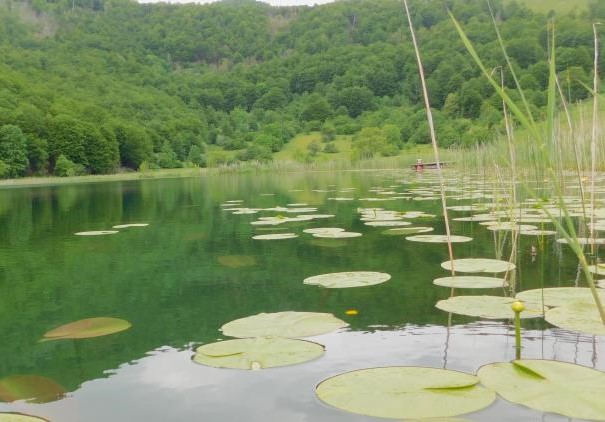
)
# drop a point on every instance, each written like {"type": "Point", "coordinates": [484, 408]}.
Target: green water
{"type": "Point", "coordinates": [168, 281]}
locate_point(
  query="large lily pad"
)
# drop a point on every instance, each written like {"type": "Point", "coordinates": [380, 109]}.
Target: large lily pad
{"type": "Point", "coordinates": [577, 316]}
{"type": "Point", "coordinates": [125, 226]}
{"type": "Point", "coordinates": [558, 296]}
{"type": "Point", "coordinates": [33, 388]}
{"type": "Point", "coordinates": [348, 279]}
{"type": "Point", "coordinates": [405, 392]}
{"type": "Point", "coordinates": [87, 328]}
{"type": "Point", "coordinates": [97, 233]}
{"type": "Point", "coordinates": [549, 386]}
{"type": "Point", "coordinates": [438, 238]}
{"type": "Point", "coordinates": [337, 235]}
{"type": "Point", "coordinates": [257, 353]}
{"type": "Point", "coordinates": [404, 231]}
{"type": "Point", "coordinates": [583, 241]}
{"type": "Point", "coordinates": [323, 230]}
{"type": "Point", "coordinates": [20, 417]}
{"type": "Point", "coordinates": [470, 282]}
{"type": "Point", "coordinates": [489, 307]}
{"type": "Point", "coordinates": [478, 265]}
{"type": "Point", "coordinates": [237, 261]}
{"type": "Point", "coordinates": [283, 324]}
{"type": "Point", "coordinates": [275, 236]}
{"type": "Point", "coordinates": [387, 223]}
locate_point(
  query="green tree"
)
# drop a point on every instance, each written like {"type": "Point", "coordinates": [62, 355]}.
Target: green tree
{"type": "Point", "coordinates": [13, 150]}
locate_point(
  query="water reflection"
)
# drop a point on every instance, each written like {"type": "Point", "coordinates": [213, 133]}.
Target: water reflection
{"type": "Point", "coordinates": [182, 277]}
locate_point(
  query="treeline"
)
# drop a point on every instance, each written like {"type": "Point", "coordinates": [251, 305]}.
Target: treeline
{"type": "Point", "coordinates": [91, 86]}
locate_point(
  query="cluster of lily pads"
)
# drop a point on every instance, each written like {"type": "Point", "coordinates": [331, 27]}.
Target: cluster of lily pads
{"type": "Point", "coordinates": [38, 389]}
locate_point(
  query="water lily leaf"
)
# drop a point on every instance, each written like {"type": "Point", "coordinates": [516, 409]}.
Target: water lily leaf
{"type": "Point", "coordinates": [402, 231]}
{"type": "Point", "coordinates": [511, 226]}
{"type": "Point", "coordinates": [97, 233]}
{"type": "Point", "coordinates": [337, 235]}
{"type": "Point", "coordinates": [283, 324]}
{"type": "Point", "coordinates": [584, 241]}
{"type": "Point", "coordinates": [33, 388]}
{"type": "Point", "coordinates": [597, 269]}
{"type": "Point", "coordinates": [87, 328]}
{"type": "Point", "coordinates": [478, 265]}
{"type": "Point", "coordinates": [237, 261]}
{"type": "Point", "coordinates": [558, 296]}
{"type": "Point", "coordinates": [438, 238]}
{"type": "Point", "coordinates": [549, 386]}
{"type": "Point", "coordinates": [257, 353]}
{"type": "Point", "coordinates": [387, 223]}
{"type": "Point", "coordinates": [348, 279]}
{"type": "Point", "coordinates": [275, 236]}
{"type": "Point", "coordinates": [405, 392]}
{"type": "Point", "coordinates": [490, 307]}
{"type": "Point", "coordinates": [20, 417]}
{"type": "Point", "coordinates": [125, 226]}
{"type": "Point", "coordinates": [470, 282]}
{"type": "Point", "coordinates": [324, 230]}
{"type": "Point", "coordinates": [538, 232]}
{"type": "Point", "coordinates": [577, 316]}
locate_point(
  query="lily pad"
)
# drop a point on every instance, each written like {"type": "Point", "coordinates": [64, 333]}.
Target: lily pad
{"type": "Point", "coordinates": [470, 282]}
{"type": "Point", "coordinates": [438, 238]}
{"type": "Point", "coordinates": [549, 386]}
{"type": "Point", "coordinates": [538, 232]}
{"type": "Point", "coordinates": [237, 261]}
{"type": "Point", "coordinates": [283, 324]}
{"type": "Point", "coordinates": [275, 236]}
{"type": "Point", "coordinates": [337, 235]}
{"type": "Point", "coordinates": [584, 241]}
{"type": "Point", "coordinates": [478, 265]}
{"type": "Point", "coordinates": [558, 296]}
{"type": "Point", "coordinates": [577, 316]}
{"type": "Point", "coordinates": [324, 230]}
{"type": "Point", "coordinates": [257, 353]}
{"type": "Point", "coordinates": [402, 231]}
{"type": "Point", "coordinates": [405, 392]}
{"type": "Point", "coordinates": [87, 328]}
{"type": "Point", "coordinates": [489, 307]}
{"type": "Point", "coordinates": [20, 417]}
{"type": "Point", "coordinates": [597, 269]}
{"type": "Point", "coordinates": [387, 223]}
{"type": "Point", "coordinates": [97, 233]}
{"type": "Point", "coordinates": [125, 226]}
{"type": "Point", "coordinates": [348, 279]}
{"type": "Point", "coordinates": [33, 388]}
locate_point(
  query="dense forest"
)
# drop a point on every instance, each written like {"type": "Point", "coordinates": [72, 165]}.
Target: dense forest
{"type": "Point", "coordinates": [95, 86]}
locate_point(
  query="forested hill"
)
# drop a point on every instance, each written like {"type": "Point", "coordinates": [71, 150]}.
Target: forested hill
{"type": "Point", "coordinates": [88, 86]}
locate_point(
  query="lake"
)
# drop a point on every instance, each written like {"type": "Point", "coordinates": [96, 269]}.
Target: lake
{"type": "Point", "coordinates": [196, 267]}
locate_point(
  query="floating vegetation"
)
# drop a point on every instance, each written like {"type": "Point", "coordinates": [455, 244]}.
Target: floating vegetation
{"type": "Point", "coordinates": [584, 241]}
{"type": "Point", "coordinates": [20, 417]}
{"type": "Point", "coordinates": [511, 226]}
{"type": "Point", "coordinates": [549, 386]}
{"type": "Point", "coordinates": [87, 328]}
{"type": "Point", "coordinates": [558, 296]}
{"type": "Point", "coordinates": [324, 230]}
{"type": "Point", "coordinates": [402, 231]}
{"type": "Point", "coordinates": [337, 235]}
{"type": "Point", "coordinates": [257, 353]}
{"type": "Point", "coordinates": [538, 232]}
{"type": "Point", "coordinates": [489, 307]}
{"type": "Point", "coordinates": [237, 261]}
{"type": "Point", "coordinates": [387, 223]}
{"type": "Point", "coordinates": [438, 238]}
{"type": "Point", "coordinates": [478, 265]}
{"type": "Point", "coordinates": [125, 226]}
{"type": "Point", "coordinates": [470, 282]}
{"type": "Point", "coordinates": [577, 316]}
{"type": "Point", "coordinates": [405, 392]}
{"type": "Point", "coordinates": [288, 324]}
{"type": "Point", "coordinates": [97, 233]}
{"type": "Point", "coordinates": [598, 269]}
{"type": "Point", "coordinates": [31, 388]}
{"type": "Point", "coordinates": [348, 279]}
{"type": "Point", "coordinates": [275, 236]}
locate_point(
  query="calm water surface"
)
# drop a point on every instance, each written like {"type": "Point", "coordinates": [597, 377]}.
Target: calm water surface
{"type": "Point", "coordinates": [170, 281]}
